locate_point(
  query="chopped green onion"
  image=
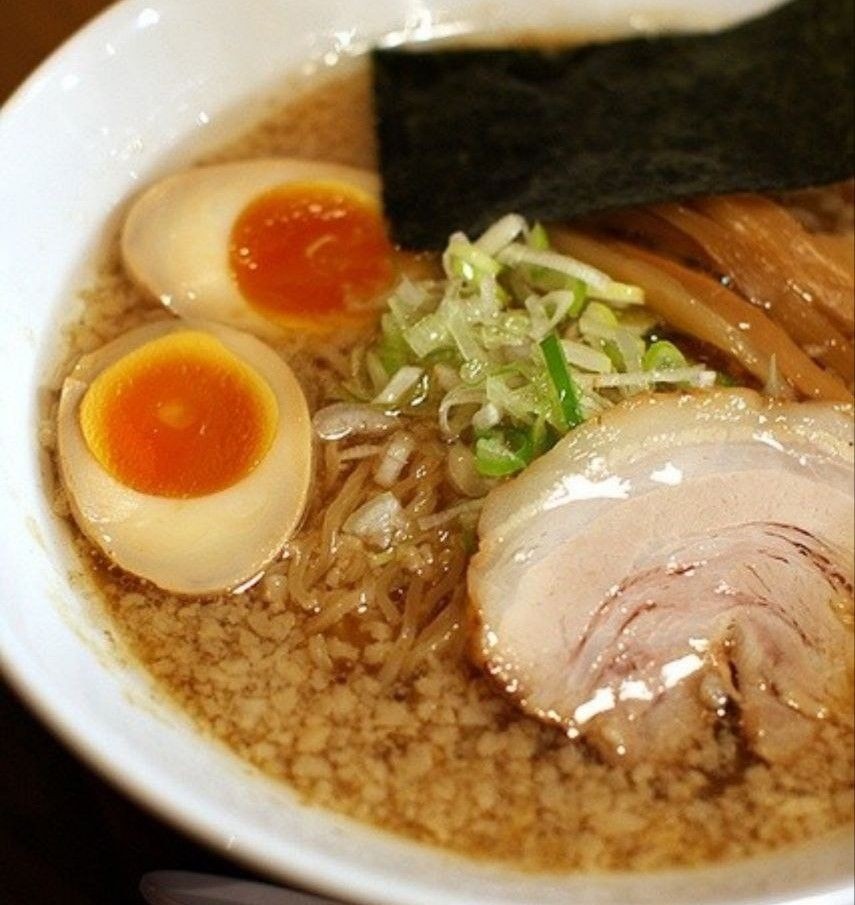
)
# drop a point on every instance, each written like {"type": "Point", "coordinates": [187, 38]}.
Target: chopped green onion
{"type": "Point", "coordinates": [598, 321]}
{"type": "Point", "coordinates": [500, 234]}
{"type": "Point", "coordinates": [464, 336]}
{"type": "Point", "coordinates": [517, 284]}
{"type": "Point", "coordinates": [377, 373]}
{"type": "Point", "coordinates": [402, 383]}
{"type": "Point", "coordinates": [521, 403]}
{"type": "Point", "coordinates": [406, 303]}
{"type": "Point", "coordinates": [663, 356]}
{"type": "Point", "coordinates": [691, 376]}
{"type": "Point", "coordinates": [392, 350]}
{"type": "Point", "coordinates": [444, 355]}
{"type": "Point", "coordinates": [612, 352]}
{"type": "Point", "coordinates": [454, 399]}
{"type": "Point", "coordinates": [498, 453]}
{"type": "Point", "coordinates": [488, 416]}
{"type": "Point", "coordinates": [618, 293]}
{"type": "Point", "coordinates": [541, 277]}
{"type": "Point", "coordinates": [466, 261]}
{"type": "Point", "coordinates": [511, 328]}
{"type": "Point", "coordinates": [542, 438]}
{"type": "Point", "coordinates": [581, 356]}
{"type": "Point", "coordinates": [446, 376]}
{"type": "Point", "coordinates": [493, 298]}
{"type": "Point", "coordinates": [631, 349]}
{"type": "Point", "coordinates": [580, 296]}
{"type": "Point", "coordinates": [568, 394]}
{"type": "Point", "coordinates": [427, 335]}
{"type": "Point", "coordinates": [548, 311]}
{"type": "Point", "coordinates": [472, 372]}
{"type": "Point", "coordinates": [516, 254]}
{"type": "Point", "coordinates": [513, 348]}
{"type": "Point", "coordinates": [538, 238]}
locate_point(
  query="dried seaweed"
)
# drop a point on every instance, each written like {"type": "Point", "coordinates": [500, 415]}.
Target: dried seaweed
{"type": "Point", "coordinates": [467, 135]}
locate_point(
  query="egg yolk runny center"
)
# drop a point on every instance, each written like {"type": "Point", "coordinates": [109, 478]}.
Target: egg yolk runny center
{"type": "Point", "coordinates": [181, 416]}
{"type": "Point", "coordinates": [311, 254]}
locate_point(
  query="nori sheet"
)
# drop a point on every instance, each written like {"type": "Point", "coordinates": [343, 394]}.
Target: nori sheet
{"type": "Point", "coordinates": [468, 135]}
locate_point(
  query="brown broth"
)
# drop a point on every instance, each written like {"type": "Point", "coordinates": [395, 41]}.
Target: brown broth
{"type": "Point", "coordinates": [435, 754]}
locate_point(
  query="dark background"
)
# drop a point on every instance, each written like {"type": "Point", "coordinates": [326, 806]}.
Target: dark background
{"type": "Point", "coordinates": [66, 838]}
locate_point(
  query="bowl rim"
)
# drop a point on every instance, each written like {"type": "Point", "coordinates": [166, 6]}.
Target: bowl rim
{"type": "Point", "coordinates": [311, 870]}
{"type": "Point", "coordinates": [30, 82]}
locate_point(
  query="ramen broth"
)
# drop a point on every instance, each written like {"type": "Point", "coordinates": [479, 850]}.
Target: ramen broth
{"type": "Point", "coordinates": [345, 675]}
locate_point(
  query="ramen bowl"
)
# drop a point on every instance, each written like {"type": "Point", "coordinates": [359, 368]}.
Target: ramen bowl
{"type": "Point", "coordinates": [142, 90]}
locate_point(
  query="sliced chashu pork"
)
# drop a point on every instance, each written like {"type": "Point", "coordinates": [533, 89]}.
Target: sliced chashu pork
{"type": "Point", "coordinates": [682, 559]}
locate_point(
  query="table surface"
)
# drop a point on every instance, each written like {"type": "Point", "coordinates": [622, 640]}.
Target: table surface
{"type": "Point", "coordinates": [65, 836]}
{"type": "Point", "coordinates": [31, 29]}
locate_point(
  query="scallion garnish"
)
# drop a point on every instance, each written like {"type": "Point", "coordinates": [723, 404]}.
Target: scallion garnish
{"type": "Point", "coordinates": [514, 347]}
{"type": "Point", "coordinates": [501, 453]}
{"type": "Point", "coordinates": [663, 356]}
{"type": "Point", "coordinates": [565, 388]}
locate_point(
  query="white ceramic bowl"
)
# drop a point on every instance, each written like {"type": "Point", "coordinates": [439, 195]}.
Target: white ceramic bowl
{"type": "Point", "coordinates": [139, 91]}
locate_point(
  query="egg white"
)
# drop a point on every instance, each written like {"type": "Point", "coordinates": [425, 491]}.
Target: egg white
{"type": "Point", "coordinates": [200, 545]}
{"type": "Point", "coordinates": [175, 241]}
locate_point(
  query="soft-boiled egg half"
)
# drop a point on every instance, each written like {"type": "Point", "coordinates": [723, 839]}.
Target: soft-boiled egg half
{"type": "Point", "coordinates": [263, 245]}
{"type": "Point", "coordinates": [186, 450]}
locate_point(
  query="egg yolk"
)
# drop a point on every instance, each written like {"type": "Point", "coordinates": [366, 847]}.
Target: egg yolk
{"type": "Point", "coordinates": [181, 416]}
{"type": "Point", "coordinates": [311, 254]}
